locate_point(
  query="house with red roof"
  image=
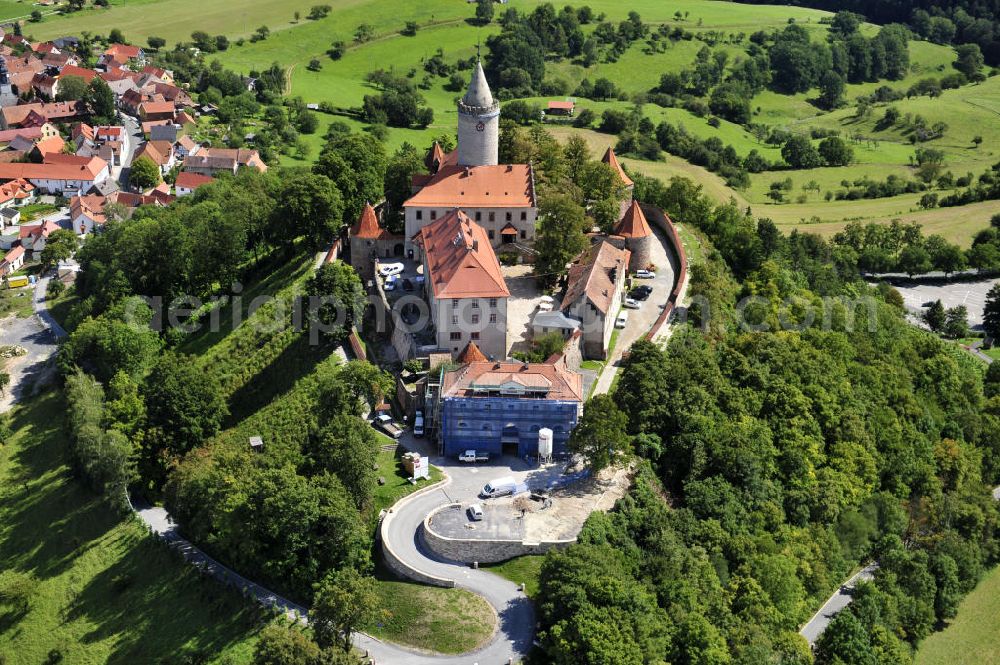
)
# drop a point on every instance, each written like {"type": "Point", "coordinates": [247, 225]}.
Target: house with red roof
{"type": "Point", "coordinates": [465, 285]}
{"type": "Point", "coordinates": [187, 183]}
{"type": "Point", "coordinates": [160, 153]}
{"type": "Point", "coordinates": [65, 175]}
{"type": "Point", "coordinates": [210, 161]}
{"type": "Point", "coordinates": [36, 115]}
{"type": "Point", "coordinates": [556, 107]}
{"type": "Point", "coordinates": [33, 235]}
{"type": "Point", "coordinates": [13, 261]}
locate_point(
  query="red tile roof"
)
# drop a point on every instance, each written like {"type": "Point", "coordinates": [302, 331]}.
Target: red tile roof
{"type": "Point", "coordinates": [192, 180]}
{"type": "Point", "coordinates": [15, 189]}
{"type": "Point", "coordinates": [562, 106]}
{"type": "Point", "coordinates": [158, 152]}
{"type": "Point", "coordinates": [367, 225]}
{"type": "Point", "coordinates": [498, 186]}
{"type": "Point", "coordinates": [590, 275]}
{"type": "Point", "coordinates": [157, 107]}
{"type": "Point", "coordinates": [72, 70]}
{"type": "Point", "coordinates": [52, 144]}
{"type": "Point", "coordinates": [15, 115]}
{"type": "Point", "coordinates": [612, 160]}
{"type": "Point", "coordinates": [554, 379]}
{"type": "Point", "coordinates": [123, 50]}
{"type": "Point", "coordinates": [55, 167]}
{"type": "Point", "coordinates": [633, 224]}
{"type": "Point", "coordinates": [460, 260]}
{"type": "Point", "coordinates": [471, 354]}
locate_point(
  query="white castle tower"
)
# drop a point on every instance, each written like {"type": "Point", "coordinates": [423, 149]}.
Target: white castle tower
{"type": "Point", "coordinates": [478, 123]}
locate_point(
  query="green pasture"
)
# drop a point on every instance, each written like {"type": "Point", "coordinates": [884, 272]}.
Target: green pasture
{"type": "Point", "coordinates": [971, 637]}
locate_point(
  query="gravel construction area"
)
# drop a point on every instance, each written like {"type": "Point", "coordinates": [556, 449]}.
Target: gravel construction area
{"type": "Point", "coordinates": [32, 369]}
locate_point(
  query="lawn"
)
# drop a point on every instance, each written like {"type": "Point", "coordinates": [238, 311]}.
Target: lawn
{"type": "Point", "coordinates": [521, 570]}
{"type": "Point", "coordinates": [106, 591]}
{"type": "Point", "coordinates": [444, 620]}
{"type": "Point", "coordinates": [971, 637]}
{"type": "Point", "coordinates": [17, 302]}
{"type": "Point", "coordinates": [397, 483]}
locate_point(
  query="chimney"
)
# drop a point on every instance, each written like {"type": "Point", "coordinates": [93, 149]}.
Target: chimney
{"type": "Point", "coordinates": [475, 245]}
{"type": "Point", "coordinates": [468, 170]}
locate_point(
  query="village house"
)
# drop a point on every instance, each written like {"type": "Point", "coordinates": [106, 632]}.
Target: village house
{"type": "Point", "coordinates": [187, 183]}
{"type": "Point", "coordinates": [184, 146]}
{"type": "Point", "coordinates": [210, 161]}
{"type": "Point", "coordinates": [498, 197]}
{"type": "Point", "coordinates": [500, 407]}
{"type": "Point", "coordinates": [27, 115]}
{"type": "Point", "coordinates": [13, 261]}
{"type": "Point", "coordinates": [16, 193]}
{"type": "Point", "coordinates": [465, 286]}
{"type": "Point", "coordinates": [160, 153]}
{"type": "Point", "coordinates": [30, 236]}
{"type": "Point", "coordinates": [153, 110]}
{"type": "Point", "coordinates": [88, 213]}
{"type": "Point", "coordinates": [45, 85]}
{"type": "Point", "coordinates": [45, 131]}
{"type": "Point", "coordinates": [65, 175]}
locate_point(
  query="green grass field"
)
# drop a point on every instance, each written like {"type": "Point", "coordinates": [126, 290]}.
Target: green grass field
{"type": "Point", "coordinates": [521, 570]}
{"type": "Point", "coordinates": [106, 591]}
{"type": "Point", "coordinates": [443, 620]}
{"type": "Point", "coordinates": [971, 638]}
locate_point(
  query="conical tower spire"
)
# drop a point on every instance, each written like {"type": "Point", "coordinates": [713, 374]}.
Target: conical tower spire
{"type": "Point", "coordinates": [478, 95]}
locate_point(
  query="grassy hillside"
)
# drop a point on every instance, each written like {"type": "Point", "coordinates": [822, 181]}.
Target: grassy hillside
{"type": "Point", "coordinates": [971, 638]}
{"type": "Point", "coordinates": [105, 591]}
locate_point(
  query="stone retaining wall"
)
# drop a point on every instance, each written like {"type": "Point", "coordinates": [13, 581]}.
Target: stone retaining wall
{"type": "Point", "coordinates": [392, 560]}
{"type": "Point", "coordinates": [470, 550]}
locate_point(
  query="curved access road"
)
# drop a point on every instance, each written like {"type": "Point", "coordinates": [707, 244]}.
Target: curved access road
{"type": "Point", "coordinates": [400, 532]}
{"type": "Point", "coordinates": [838, 601]}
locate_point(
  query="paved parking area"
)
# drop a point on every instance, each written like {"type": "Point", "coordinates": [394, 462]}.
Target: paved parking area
{"type": "Point", "coordinates": [498, 523]}
{"type": "Point", "coordinates": [524, 299]}
{"type": "Point", "coordinates": [971, 294]}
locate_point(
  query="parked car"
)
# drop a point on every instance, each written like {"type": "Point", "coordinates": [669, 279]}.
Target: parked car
{"type": "Point", "coordinates": [387, 269]}
{"type": "Point", "coordinates": [640, 292]}
{"type": "Point", "coordinates": [390, 283]}
{"type": "Point", "coordinates": [407, 285]}
{"type": "Point", "coordinates": [385, 423]}
{"type": "Point", "coordinates": [499, 487]}
{"type": "Point", "coordinates": [418, 424]}
{"type": "Point", "coordinates": [645, 274]}
{"type": "Point", "coordinates": [474, 456]}
{"type": "Point", "coordinates": [631, 303]}
{"type": "Point", "coordinates": [621, 320]}
{"type": "Point", "coordinates": [476, 512]}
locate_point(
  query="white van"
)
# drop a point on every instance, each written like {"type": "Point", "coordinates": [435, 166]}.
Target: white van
{"type": "Point", "coordinates": [499, 487]}
{"type": "Point", "coordinates": [418, 424]}
{"type": "Point", "coordinates": [621, 320]}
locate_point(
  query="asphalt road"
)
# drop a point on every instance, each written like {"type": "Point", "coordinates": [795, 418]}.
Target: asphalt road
{"type": "Point", "coordinates": [838, 601]}
{"type": "Point", "coordinates": [133, 139]}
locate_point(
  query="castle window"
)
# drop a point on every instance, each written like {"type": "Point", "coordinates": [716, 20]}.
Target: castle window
{"type": "Point", "coordinates": [454, 303]}
{"type": "Point", "coordinates": [456, 336]}
{"type": "Point", "coordinates": [524, 234]}
{"type": "Point", "coordinates": [493, 302]}
{"type": "Point", "coordinates": [475, 318]}
{"type": "Point", "coordinates": [420, 214]}
{"type": "Point", "coordinates": [454, 320]}
{"type": "Point", "coordinates": [434, 214]}
{"type": "Point", "coordinates": [479, 216]}
{"type": "Point", "coordinates": [491, 234]}
{"type": "Point", "coordinates": [509, 217]}
{"type": "Point", "coordinates": [475, 304]}
{"type": "Point", "coordinates": [493, 217]}
{"type": "Point", "coordinates": [524, 215]}
{"type": "Point", "coordinates": [474, 336]}
{"type": "Point", "coordinates": [493, 318]}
